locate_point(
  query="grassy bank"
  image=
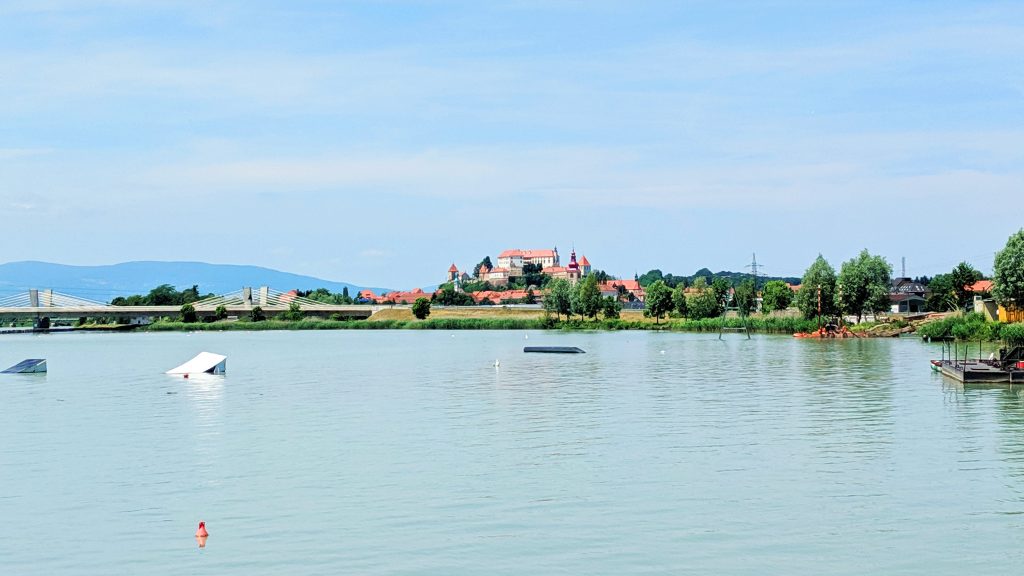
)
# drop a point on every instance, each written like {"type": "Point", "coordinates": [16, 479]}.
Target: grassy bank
{"type": "Point", "coordinates": [973, 327]}
{"type": "Point", "coordinates": [511, 322]}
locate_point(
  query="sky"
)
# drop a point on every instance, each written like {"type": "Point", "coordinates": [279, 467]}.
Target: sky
{"type": "Point", "coordinates": [378, 142]}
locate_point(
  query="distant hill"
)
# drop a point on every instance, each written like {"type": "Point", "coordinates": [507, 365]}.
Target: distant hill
{"type": "Point", "coordinates": [104, 283]}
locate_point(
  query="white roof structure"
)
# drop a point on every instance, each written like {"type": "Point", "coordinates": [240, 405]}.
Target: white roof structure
{"type": "Point", "coordinates": [203, 363]}
{"type": "Point", "coordinates": [30, 366]}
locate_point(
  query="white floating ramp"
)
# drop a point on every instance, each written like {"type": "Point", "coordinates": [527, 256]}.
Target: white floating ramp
{"type": "Point", "coordinates": [30, 366]}
{"type": "Point", "coordinates": [204, 363]}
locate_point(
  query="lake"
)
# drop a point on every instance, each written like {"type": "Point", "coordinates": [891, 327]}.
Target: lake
{"type": "Point", "coordinates": [409, 452]}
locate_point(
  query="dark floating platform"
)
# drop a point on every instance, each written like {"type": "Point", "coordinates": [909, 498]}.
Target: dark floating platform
{"type": "Point", "coordinates": [554, 349]}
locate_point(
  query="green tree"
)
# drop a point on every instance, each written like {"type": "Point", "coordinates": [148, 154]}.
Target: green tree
{"type": "Point", "coordinates": [589, 296]}
{"type": "Point", "coordinates": [702, 303]}
{"type": "Point", "coordinates": [189, 295]}
{"type": "Point", "coordinates": [1008, 273]}
{"type": "Point", "coordinates": [530, 297]}
{"type": "Point", "coordinates": [163, 295]}
{"type": "Point", "coordinates": [746, 298]}
{"type": "Point", "coordinates": [776, 295]}
{"type": "Point", "coordinates": [679, 298]}
{"type": "Point", "coordinates": [820, 275]}
{"type": "Point", "coordinates": [485, 262]}
{"type": "Point", "coordinates": [659, 300]}
{"type": "Point", "coordinates": [448, 296]}
{"type": "Point", "coordinates": [962, 276]}
{"type": "Point", "coordinates": [650, 277]}
{"type": "Point", "coordinates": [942, 297]}
{"type": "Point", "coordinates": [610, 307]}
{"type": "Point", "coordinates": [346, 299]}
{"type": "Point", "coordinates": [294, 312]}
{"type": "Point", "coordinates": [533, 275]}
{"type": "Point", "coordinates": [188, 313]}
{"type": "Point", "coordinates": [721, 285]}
{"type": "Point", "coordinates": [421, 308]}
{"type": "Point", "coordinates": [220, 313]}
{"type": "Point", "coordinates": [558, 297]}
{"type": "Point", "coordinates": [863, 285]}
{"type": "Point", "coordinates": [256, 314]}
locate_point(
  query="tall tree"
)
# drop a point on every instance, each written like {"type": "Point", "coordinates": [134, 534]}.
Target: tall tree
{"type": "Point", "coordinates": [721, 286]}
{"type": "Point", "coordinates": [485, 262]}
{"type": "Point", "coordinates": [557, 299]}
{"type": "Point", "coordinates": [863, 285]}
{"type": "Point", "coordinates": [941, 297]}
{"type": "Point", "coordinates": [746, 298]}
{"type": "Point", "coordinates": [679, 298]}
{"type": "Point", "coordinates": [702, 302]}
{"type": "Point", "coordinates": [589, 296]}
{"type": "Point", "coordinates": [962, 277]}
{"type": "Point", "coordinates": [1008, 273]}
{"type": "Point", "coordinates": [820, 275]}
{"type": "Point", "coordinates": [776, 295]}
{"type": "Point", "coordinates": [659, 300]}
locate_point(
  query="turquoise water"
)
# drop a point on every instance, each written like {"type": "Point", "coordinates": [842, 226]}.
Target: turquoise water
{"type": "Point", "coordinates": [408, 452]}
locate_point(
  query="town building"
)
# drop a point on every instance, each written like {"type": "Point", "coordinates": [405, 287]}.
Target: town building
{"type": "Point", "coordinates": [907, 296]}
{"type": "Point", "coordinates": [511, 262]}
{"type": "Point", "coordinates": [519, 258]}
{"type": "Point", "coordinates": [624, 290]}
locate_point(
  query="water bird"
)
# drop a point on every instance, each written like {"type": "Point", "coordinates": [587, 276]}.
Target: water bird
{"type": "Point", "coordinates": [497, 363]}
{"type": "Point", "coordinates": [526, 337]}
{"type": "Point", "coordinates": [201, 531]}
{"type": "Point", "coordinates": [663, 352]}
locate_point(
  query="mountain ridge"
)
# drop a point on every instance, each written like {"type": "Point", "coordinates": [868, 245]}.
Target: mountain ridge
{"type": "Point", "coordinates": [107, 281]}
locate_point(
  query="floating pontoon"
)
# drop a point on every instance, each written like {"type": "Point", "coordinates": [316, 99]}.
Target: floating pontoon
{"type": "Point", "coordinates": [554, 349]}
{"type": "Point", "coordinates": [204, 363]}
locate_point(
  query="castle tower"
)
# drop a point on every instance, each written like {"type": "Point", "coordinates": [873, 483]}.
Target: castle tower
{"type": "Point", "coordinates": [573, 269]}
{"type": "Point", "coordinates": [584, 265]}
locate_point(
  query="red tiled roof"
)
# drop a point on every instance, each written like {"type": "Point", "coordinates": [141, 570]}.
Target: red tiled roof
{"type": "Point", "coordinates": [453, 268]}
{"type": "Point", "coordinates": [631, 285]}
{"type": "Point", "coordinates": [527, 254]}
{"type": "Point", "coordinates": [496, 296]}
{"type": "Point", "coordinates": [981, 286]}
{"type": "Point", "coordinates": [584, 261]}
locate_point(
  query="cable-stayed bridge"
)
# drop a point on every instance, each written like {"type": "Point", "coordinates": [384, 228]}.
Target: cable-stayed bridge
{"type": "Point", "coordinates": [50, 304]}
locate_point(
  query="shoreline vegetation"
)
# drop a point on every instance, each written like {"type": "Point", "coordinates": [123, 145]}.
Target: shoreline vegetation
{"type": "Point", "coordinates": [503, 319]}
{"type": "Point", "coordinates": [970, 326]}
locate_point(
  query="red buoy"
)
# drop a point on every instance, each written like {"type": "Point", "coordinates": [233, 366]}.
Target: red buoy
{"type": "Point", "coordinates": [201, 532]}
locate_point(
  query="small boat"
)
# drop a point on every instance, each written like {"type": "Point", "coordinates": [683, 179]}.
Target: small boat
{"type": "Point", "coordinates": [936, 365]}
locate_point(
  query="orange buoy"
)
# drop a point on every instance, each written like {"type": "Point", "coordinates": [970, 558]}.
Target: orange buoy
{"type": "Point", "coordinates": [201, 532]}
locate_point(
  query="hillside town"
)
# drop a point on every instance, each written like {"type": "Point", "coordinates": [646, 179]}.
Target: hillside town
{"type": "Point", "coordinates": [507, 281]}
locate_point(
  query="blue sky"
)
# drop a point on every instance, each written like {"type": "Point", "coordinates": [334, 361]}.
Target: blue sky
{"type": "Point", "coordinates": [378, 142]}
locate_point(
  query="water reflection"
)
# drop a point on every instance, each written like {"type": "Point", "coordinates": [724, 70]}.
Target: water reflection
{"type": "Point", "coordinates": [849, 398]}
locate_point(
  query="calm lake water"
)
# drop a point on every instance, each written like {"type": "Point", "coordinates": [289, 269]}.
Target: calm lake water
{"type": "Point", "coordinates": [407, 452]}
